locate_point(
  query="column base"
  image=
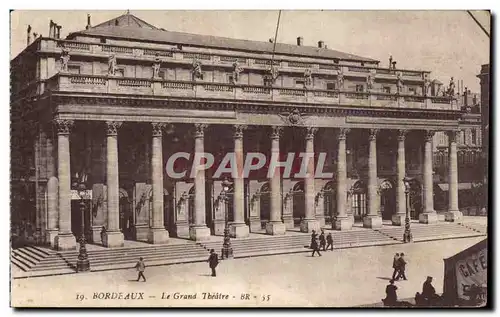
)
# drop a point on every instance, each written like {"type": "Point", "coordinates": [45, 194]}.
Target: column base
{"type": "Point", "coordinates": [199, 233]}
{"type": "Point", "coordinates": [454, 216]}
{"type": "Point", "coordinates": [398, 219]}
{"type": "Point", "coordinates": [343, 223]}
{"type": "Point", "coordinates": [96, 235]}
{"type": "Point", "coordinates": [219, 226]}
{"type": "Point", "coordinates": [50, 238]}
{"type": "Point", "coordinates": [308, 225]}
{"type": "Point", "coordinates": [428, 218]}
{"type": "Point", "coordinates": [113, 239]}
{"type": "Point", "coordinates": [65, 241]}
{"type": "Point", "coordinates": [158, 236]}
{"type": "Point", "coordinates": [372, 222]}
{"type": "Point", "coordinates": [182, 230]}
{"type": "Point", "coordinates": [141, 232]}
{"type": "Point", "coordinates": [321, 221]}
{"type": "Point", "coordinates": [275, 228]}
{"type": "Point", "coordinates": [288, 221]}
{"type": "Point", "coordinates": [255, 225]}
{"type": "Point", "coordinates": [239, 230]}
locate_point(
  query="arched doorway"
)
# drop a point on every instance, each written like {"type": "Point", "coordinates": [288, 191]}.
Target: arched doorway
{"type": "Point", "coordinates": [358, 200]}
{"type": "Point", "coordinates": [168, 211]}
{"type": "Point", "coordinates": [191, 206]}
{"type": "Point", "coordinates": [299, 207]}
{"type": "Point", "coordinates": [126, 216]}
{"type": "Point", "coordinates": [415, 196]}
{"type": "Point", "coordinates": [329, 202]}
{"type": "Point", "coordinates": [265, 205]}
{"type": "Point", "coordinates": [387, 200]}
{"type": "Point", "coordinates": [230, 204]}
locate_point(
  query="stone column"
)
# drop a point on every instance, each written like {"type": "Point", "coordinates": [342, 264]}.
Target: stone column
{"type": "Point", "coordinates": [399, 218]}
{"type": "Point", "coordinates": [113, 237]}
{"type": "Point", "coordinates": [52, 191]}
{"type": "Point", "coordinates": [429, 214]}
{"type": "Point", "coordinates": [65, 239]}
{"type": "Point", "coordinates": [157, 233]}
{"type": "Point", "coordinates": [238, 228]}
{"type": "Point", "coordinates": [199, 231]}
{"type": "Point", "coordinates": [343, 221]}
{"type": "Point", "coordinates": [372, 219]}
{"type": "Point", "coordinates": [275, 226]}
{"type": "Point", "coordinates": [309, 223]}
{"type": "Point", "coordinates": [453, 214]}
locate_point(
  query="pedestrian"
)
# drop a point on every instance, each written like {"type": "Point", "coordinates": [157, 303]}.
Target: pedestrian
{"type": "Point", "coordinates": [391, 297]}
{"type": "Point", "coordinates": [401, 263]}
{"type": "Point", "coordinates": [314, 243]}
{"type": "Point", "coordinates": [329, 241]}
{"type": "Point", "coordinates": [395, 264]}
{"type": "Point", "coordinates": [141, 267]}
{"type": "Point", "coordinates": [213, 261]}
{"type": "Point", "coordinates": [322, 241]}
{"type": "Point", "coordinates": [429, 292]}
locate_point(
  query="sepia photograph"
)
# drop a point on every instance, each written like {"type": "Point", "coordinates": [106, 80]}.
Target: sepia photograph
{"type": "Point", "coordinates": [249, 158]}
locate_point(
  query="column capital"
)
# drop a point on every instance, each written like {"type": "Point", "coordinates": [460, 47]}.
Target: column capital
{"type": "Point", "coordinates": [277, 131]}
{"type": "Point", "coordinates": [238, 131]}
{"type": "Point", "coordinates": [373, 134]}
{"type": "Point", "coordinates": [453, 135]}
{"type": "Point", "coordinates": [63, 126]}
{"type": "Point", "coordinates": [112, 127]}
{"type": "Point", "coordinates": [343, 132]}
{"type": "Point", "coordinates": [200, 130]}
{"type": "Point", "coordinates": [402, 134]}
{"type": "Point", "coordinates": [310, 132]}
{"type": "Point", "coordinates": [158, 128]}
{"type": "Point", "coordinates": [428, 135]}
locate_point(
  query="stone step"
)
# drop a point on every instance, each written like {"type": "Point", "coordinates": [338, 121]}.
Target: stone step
{"type": "Point", "coordinates": [179, 246]}
{"type": "Point", "coordinates": [20, 264]}
{"type": "Point", "coordinates": [31, 253]}
{"type": "Point", "coordinates": [25, 258]}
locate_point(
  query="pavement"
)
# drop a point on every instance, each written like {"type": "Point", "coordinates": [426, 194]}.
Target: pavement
{"type": "Point", "coordinates": [340, 278]}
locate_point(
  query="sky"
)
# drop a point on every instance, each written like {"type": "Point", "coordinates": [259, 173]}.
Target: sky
{"type": "Point", "coordinates": [447, 43]}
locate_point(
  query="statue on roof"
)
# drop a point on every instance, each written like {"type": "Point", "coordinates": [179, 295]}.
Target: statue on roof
{"type": "Point", "coordinates": [427, 84]}
{"type": "Point", "coordinates": [451, 88]}
{"type": "Point", "coordinates": [237, 69]}
{"type": "Point", "coordinates": [307, 77]}
{"type": "Point", "coordinates": [196, 70]}
{"type": "Point", "coordinates": [156, 67]}
{"type": "Point", "coordinates": [399, 82]}
{"type": "Point", "coordinates": [271, 76]}
{"type": "Point", "coordinates": [340, 79]}
{"type": "Point", "coordinates": [64, 59]}
{"type": "Point", "coordinates": [112, 65]}
{"type": "Point", "coordinates": [370, 82]}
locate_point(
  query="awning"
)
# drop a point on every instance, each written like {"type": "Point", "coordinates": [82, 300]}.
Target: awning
{"type": "Point", "coordinates": [461, 186]}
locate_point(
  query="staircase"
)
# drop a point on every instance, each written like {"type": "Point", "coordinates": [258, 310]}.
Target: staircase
{"type": "Point", "coordinates": [33, 264]}
{"type": "Point", "coordinates": [477, 227]}
{"type": "Point", "coordinates": [295, 243]}
{"type": "Point", "coordinates": [429, 232]}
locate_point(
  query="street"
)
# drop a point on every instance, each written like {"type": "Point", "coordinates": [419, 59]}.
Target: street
{"type": "Point", "coordinates": [347, 277]}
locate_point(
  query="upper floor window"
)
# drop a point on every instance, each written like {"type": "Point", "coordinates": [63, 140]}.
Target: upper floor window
{"type": "Point", "coordinates": [74, 69]}
{"type": "Point", "coordinates": [300, 83]}
{"type": "Point", "coordinates": [473, 136]}
{"type": "Point", "coordinates": [103, 41]}
{"type": "Point", "coordinates": [387, 89]}
{"type": "Point", "coordinates": [412, 90]}
{"type": "Point", "coordinates": [335, 61]}
{"type": "Point", "coordinates": [331, 86]}
{"type": "Point", "coordinates": [360, 88]}
{"type": "Point", "coordinates": [120, 72]}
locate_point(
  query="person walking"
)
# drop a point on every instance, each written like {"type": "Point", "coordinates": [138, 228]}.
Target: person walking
{"type": "Point", "coordinates": [322, 240]}
{"type": "Point", "coordinates": [314, 244]}
{"type": "Point", "coordinates": [213, 261]}
{"type": "Point", "coordinates": [401, 267]}
{"type": "Point", "coordinates": [395, 266]}
{"type": "Point", "coordinates": [329, 241]}
{"type": "Point", "coordinates": [141, 267]}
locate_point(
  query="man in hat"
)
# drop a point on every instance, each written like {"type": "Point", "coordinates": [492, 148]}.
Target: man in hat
{"type": "Point", "coordinates": [322, 240]}
{"type": "Point", "coordinates": [213, 261]}
{"type": "Point", "coordinates": [395, 264]}
{"type": "Point", "coordinates": [329, 241]}
{"type": "Point", "coordinates": [401, 264]}
{"type": "Point", "coordinates": [141, 267]}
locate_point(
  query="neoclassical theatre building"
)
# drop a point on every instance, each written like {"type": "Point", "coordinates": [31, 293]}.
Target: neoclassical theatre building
{"type": "Point", "coordinates": [115, 101]}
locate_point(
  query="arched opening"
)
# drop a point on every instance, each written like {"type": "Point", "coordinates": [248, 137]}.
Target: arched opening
{"type": "Point", "coordinates": [387, 200]}
{"type": "Point", "coordinates": [265, 205]}
{"type": "Point", "coordinates": [168, 211]}
{"type": "Point", "coordinates": [358, 200]}
{"type": "Point", "coordinates": [330, 202]}
{"type": "Point", "coordinates": [230, 203]}
{"type": "Point", "coordinates": [415, 197]}
{"type": "Point", "coordinates": [299, 207]}
{"type": "Point", "coordinates": [191, 206]}
{"type": "Point", "coordinates": [126, 215]}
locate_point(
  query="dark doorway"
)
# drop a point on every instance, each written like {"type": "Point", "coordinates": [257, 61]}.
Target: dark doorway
{"type": "Point", "coordinates": [387, 200]}
{"type": "Point", "coordinates": [329, 202]}
{"type": "Point", "coordinates": [299, 204]}
{"type": "Point", "coordinates": [265, 205]}
{"type": "Point", "coordinates": [358, 200]}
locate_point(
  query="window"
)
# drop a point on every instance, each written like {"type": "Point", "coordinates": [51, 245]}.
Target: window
{"type": "Point", "coordinates": [103, 41]}
{"type": "Point", "coordinates": [411, 90]}
{"type": "Point", "coordinates": [230, 78]}
{"type": "Point", "coordinates": [120, 72]}
{"type": "Point", "coordinates": [473, 136]}
{"type": "Point", "coordinates": [300, 83]}
{"type": "Point", "coordinates": [462, 137]}
{"type": "Point", "coordinates": [162, 73]}
{"type": "Point", "coordinates": [335, 61]}
{"type": "Point", "coordinates": [74, 69]}
{"type": "Point", "coordinates": [331, 86]}
{"type": "Point", "coordinates": [387, 89]}
{"type": "Point", "coordinates": [360, 88]}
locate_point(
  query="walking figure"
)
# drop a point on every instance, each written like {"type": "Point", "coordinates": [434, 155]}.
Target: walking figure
{"type": "Point", "coordinates": [314, 243]}
{"type": "Point", "coordinates": [395, 266]}
{"type": "Point", "coordinates": [213, 261]}
{"type": "Point", "coordinates": [322, 241]}
{"type": "Point", "coordinates": [141, 267]}
{"type": "Point", "coordinates": [329, 241]}
{"type": "Point", "coordinates": [401, 267]}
